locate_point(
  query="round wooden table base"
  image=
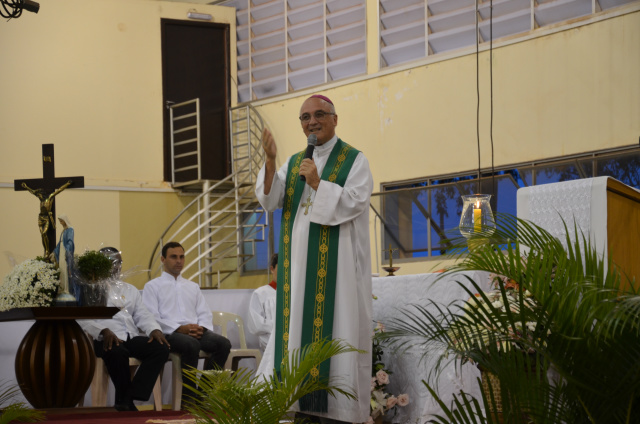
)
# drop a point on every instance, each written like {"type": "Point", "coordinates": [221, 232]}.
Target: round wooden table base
{"type": "Point", "coordinates": [55, 364]}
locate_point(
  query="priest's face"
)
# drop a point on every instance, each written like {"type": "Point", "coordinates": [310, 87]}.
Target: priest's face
{"type": "Point", "coordinates": [318, 117]}
{"type": "Point", "coordinates": [174, 261]}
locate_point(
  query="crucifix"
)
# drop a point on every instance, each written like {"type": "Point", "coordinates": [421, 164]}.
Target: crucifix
{"type": "Point", "coordinates": [46, 189]}
{"type": "Point", "coordinates": [306, 205]}
{"type": "Point", "coordinates": [390, 269]}
{"type": "Point", "coordinates": [390, 250]}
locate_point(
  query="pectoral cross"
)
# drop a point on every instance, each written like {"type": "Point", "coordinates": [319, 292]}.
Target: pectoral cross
{"type": "Point", "coordinates": [308, 204]}
{"type": "Point", "coordinates": [390, 250]}
{"type": "Point", "coordinates": [46, 189]}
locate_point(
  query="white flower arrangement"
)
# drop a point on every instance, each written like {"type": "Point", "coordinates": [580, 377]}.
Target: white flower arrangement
{"type": "Point", "coordinates": [381, 401]}
{"type": "Point", "coordinates": [31, 283]}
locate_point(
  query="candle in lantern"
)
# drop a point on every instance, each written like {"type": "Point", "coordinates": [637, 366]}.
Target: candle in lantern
{"type": "Point", "coordinates": [477, 217]}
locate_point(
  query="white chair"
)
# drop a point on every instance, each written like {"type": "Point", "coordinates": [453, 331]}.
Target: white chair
{"type": "Point", "coordinates": [176, 378]}
{"type": "Point", "coordinates": [223, 319]}
{"type": "Point", "coordinates": [100, 385]}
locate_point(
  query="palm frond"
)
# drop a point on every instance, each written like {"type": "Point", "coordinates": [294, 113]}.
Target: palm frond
{"type": "Point", "coordinates": [13, 411]}
{"type": "Point", "coordinates": [238, 398]}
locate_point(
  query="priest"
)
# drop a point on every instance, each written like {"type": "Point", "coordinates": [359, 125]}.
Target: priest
{"type": "Point", "coordinates": [324, 266]}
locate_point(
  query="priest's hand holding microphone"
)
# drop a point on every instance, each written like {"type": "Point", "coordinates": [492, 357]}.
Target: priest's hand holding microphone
{"type": "Point", "coordinates": [308, 171]}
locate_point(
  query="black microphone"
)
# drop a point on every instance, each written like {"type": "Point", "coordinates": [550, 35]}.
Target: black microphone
{"type": "Point", "coordinates": [312, 140]}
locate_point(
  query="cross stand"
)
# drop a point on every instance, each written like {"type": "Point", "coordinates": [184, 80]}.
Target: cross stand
{"type": "Point", "coordinates": [390, 269]}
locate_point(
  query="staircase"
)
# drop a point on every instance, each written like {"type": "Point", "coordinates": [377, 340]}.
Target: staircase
{"type": "Point", "coordinates": [219, 228]}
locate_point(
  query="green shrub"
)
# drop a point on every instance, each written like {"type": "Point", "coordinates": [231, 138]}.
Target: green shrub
{"type": "Point", "coordinates": [94, 266]}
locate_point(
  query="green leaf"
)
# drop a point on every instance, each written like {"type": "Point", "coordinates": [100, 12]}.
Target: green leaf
{"type": "Point", "coordinates": [238, 398]}
{"type": "Point", "coordinates": [12, 411]}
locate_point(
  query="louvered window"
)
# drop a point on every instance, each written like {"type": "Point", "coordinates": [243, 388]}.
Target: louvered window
{"type": "Point", "coordinates": [414, 29]}
{"type": "Point", "coordinates": [290, 45]}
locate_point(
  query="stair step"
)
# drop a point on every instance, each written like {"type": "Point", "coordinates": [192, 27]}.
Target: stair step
{"type": "Point", "coordinates": [233, 226]}
{"type": "Point", "coordinates": [234, 256]}
{"type": "Point", "coordinates": [221, 271]}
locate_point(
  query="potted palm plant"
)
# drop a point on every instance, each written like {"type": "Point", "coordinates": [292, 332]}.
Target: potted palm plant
{"type": "Point", "coordinates": [239, 398]}
{"type": "Point", "coordinates": [566, 349]}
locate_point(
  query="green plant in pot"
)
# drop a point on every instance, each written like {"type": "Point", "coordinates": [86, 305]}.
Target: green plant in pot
{"type": "Point", "coordinates": [93, 269]}
{"type": "Point", "coordinates": [570, 313]}
{"type": "Point", "coordinates": [229, 397]}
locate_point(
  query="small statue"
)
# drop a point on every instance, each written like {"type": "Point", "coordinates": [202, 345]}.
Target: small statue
{"type": "Point", "coordinates": [45, 218]}
{"type": "Point", "coordinates": [63, 254]}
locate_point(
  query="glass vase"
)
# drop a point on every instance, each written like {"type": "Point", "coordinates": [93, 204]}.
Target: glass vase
{"type": "Point", "coordinates": [476, 218]}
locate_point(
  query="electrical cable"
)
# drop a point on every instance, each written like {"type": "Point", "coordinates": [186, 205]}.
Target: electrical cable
{"type": "Point", "coordinates": [13, 8]}
{"type": "Point", "coordinates": [478, 93]}
{"type": "Point", "coordinates": [493, 181]}
{"type": "Point", "coordinates": [493, 174]}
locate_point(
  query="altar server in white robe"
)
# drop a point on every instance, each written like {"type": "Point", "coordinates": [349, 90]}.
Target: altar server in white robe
{"type": "Point", "coordinates": [262, 307]}
{"type": "Point", "coordinates": [324, 266]}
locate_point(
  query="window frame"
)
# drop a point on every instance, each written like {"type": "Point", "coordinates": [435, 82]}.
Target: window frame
{"type": "Point", "coordinates": [512, 173]}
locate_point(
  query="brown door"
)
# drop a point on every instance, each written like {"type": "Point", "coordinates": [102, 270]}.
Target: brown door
{"type": "Point", "coordinates": [195, 64]}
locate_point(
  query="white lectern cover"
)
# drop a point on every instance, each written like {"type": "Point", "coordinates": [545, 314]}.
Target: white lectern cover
{"type": "Point", "coordinates": [583, 202]}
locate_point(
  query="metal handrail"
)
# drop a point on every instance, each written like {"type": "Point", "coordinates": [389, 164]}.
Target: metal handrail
{"type": "Point", "coordinates": [243, 176]}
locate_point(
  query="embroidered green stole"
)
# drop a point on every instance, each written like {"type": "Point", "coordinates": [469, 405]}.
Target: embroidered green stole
{"type": "Point", "coordinates": [320, 282]}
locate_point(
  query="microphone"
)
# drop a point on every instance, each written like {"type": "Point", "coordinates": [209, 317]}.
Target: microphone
{"type": "Point", "coordinates": [312, 140]}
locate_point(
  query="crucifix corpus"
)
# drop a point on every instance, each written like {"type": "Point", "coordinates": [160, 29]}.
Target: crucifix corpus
{"type": "Point", "coordinates": [46, 189]}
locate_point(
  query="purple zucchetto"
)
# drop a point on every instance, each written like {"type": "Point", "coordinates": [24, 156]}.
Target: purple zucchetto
{"type": "Point", "coordinates": [320, 96]}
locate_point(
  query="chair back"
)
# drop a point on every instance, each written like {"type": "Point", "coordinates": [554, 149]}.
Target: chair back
{"type": "Point", "coordinates": [224, 318]}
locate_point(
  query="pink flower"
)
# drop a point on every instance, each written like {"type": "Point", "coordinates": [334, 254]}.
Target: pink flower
{"type": "Point", "coordinates": [403, 399]}
{"type": "Point", "coordinates": [380, 327]}
{"type": "Point", "coordinates": [391, 401]}
{"type": "Point", "coordinates": [373, 383]}
{"type": "Point", "coordinates": [383, 377]}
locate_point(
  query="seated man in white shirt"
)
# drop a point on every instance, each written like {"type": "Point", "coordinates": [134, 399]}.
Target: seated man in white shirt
{"type": "Point", "coordinates": [117, 339]}
{"type": "Point", "coordinates": [182, 311]}
{"type": "Point", "coordinates": [262, 307]}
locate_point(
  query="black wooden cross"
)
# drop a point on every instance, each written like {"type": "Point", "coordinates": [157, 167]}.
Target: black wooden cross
{"type": "Point", "coordinates": [46, 189]}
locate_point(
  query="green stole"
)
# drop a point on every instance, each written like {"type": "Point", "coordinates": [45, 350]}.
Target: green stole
{"type": "Point", "coordinates": [322, 261]}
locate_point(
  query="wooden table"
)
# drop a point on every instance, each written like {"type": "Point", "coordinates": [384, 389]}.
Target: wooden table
{"type": "Point", "coordinates": [55, 360]}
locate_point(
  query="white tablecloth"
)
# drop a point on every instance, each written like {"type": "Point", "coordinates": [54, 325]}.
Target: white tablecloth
{"type": "Point", "coordinates": [411, 367]}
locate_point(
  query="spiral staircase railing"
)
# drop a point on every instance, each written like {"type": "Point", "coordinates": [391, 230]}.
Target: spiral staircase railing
{"type": "Point", "coordinates": [220, 227]}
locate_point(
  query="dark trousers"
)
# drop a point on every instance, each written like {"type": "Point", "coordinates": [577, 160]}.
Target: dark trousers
{"type": "Point", "coordinates": [152, 356]}
{"type": "Point", "coordinates": [189, 349]}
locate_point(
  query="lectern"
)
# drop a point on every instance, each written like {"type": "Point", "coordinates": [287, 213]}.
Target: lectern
{"type": "Point", "coordinates": [605, 208]}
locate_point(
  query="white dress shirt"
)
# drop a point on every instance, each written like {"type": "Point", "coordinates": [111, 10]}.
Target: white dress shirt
{"type": "Point", "coordinates": [132, 318]}
{"type": "Point", "coordinates": [175, 302]}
